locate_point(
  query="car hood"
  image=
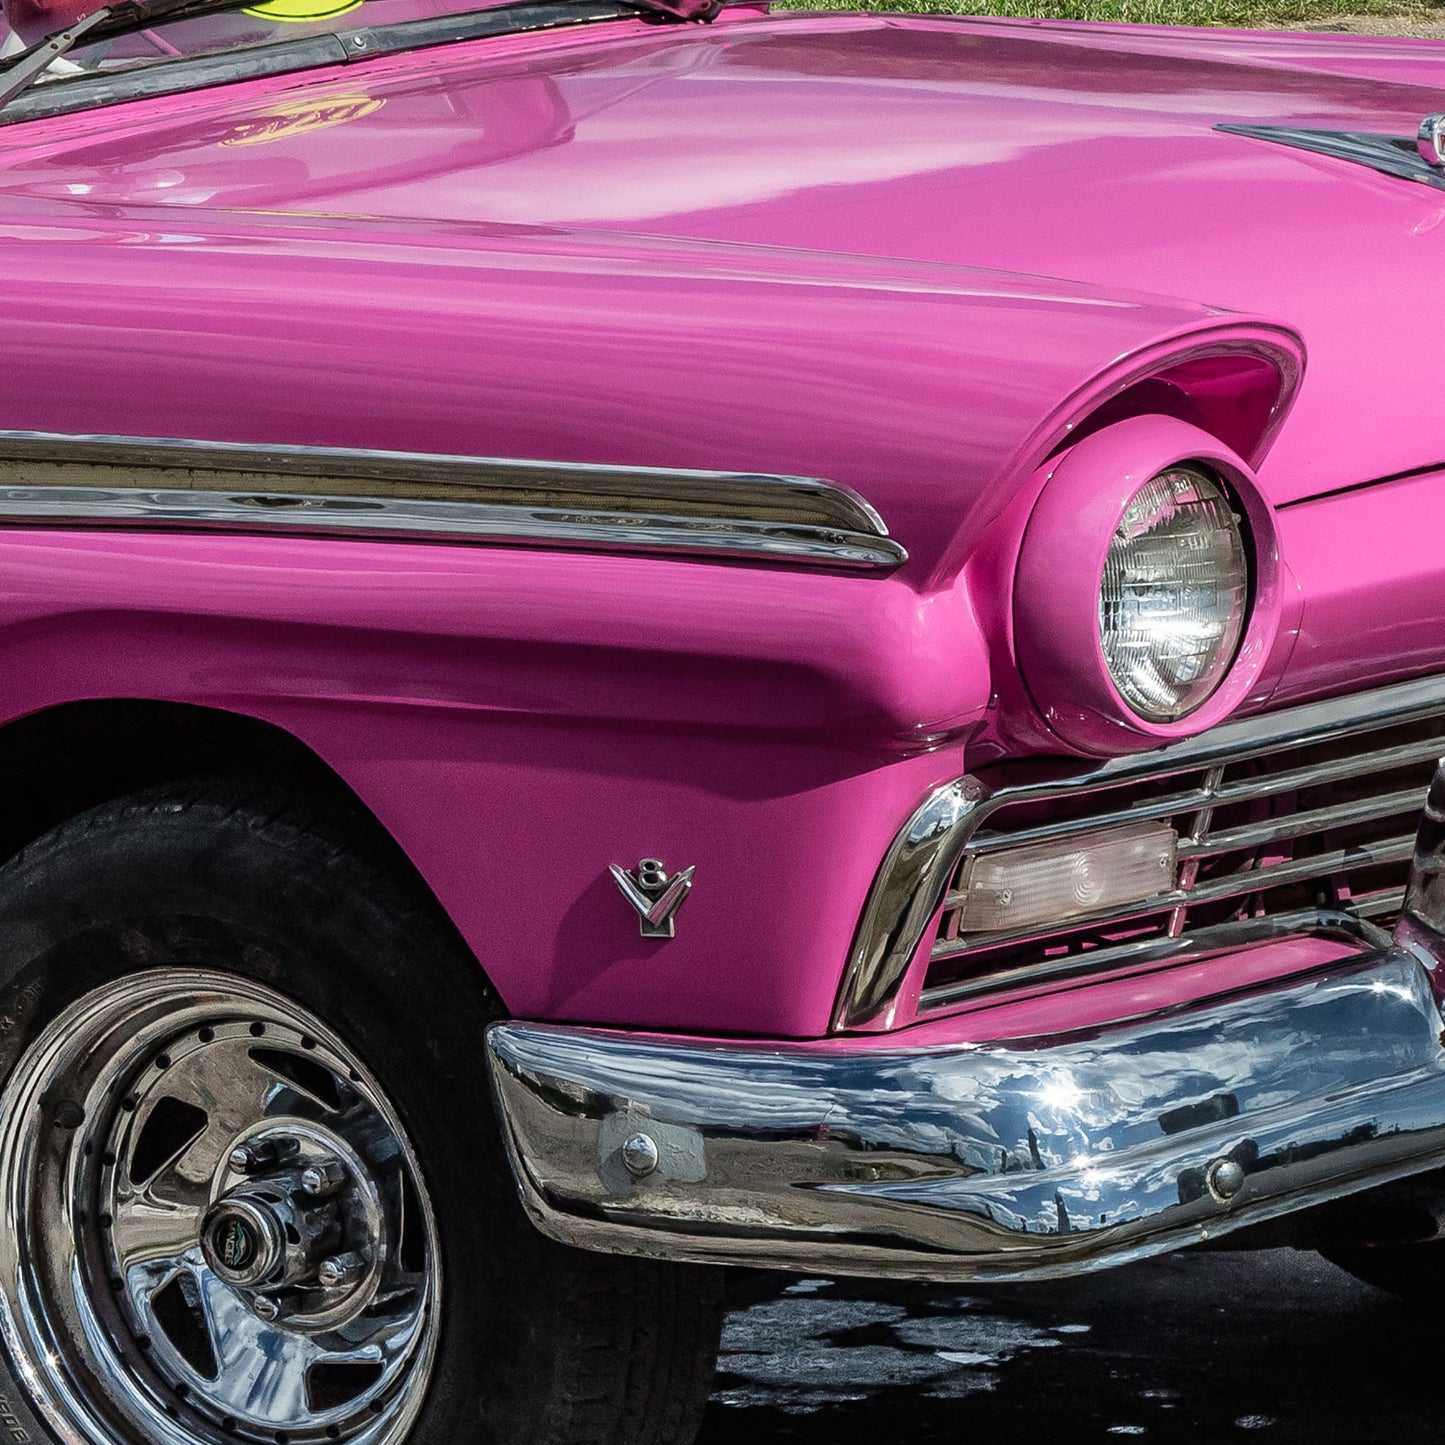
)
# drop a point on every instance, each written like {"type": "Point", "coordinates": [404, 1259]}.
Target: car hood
{"type": "Point", "coordinates": [1087, 154]}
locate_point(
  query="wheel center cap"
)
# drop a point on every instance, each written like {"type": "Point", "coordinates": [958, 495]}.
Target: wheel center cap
{"type": "Point", "coordinates": [235, 1242]}
{"type": "Point", "coordinates": [243, 1241]}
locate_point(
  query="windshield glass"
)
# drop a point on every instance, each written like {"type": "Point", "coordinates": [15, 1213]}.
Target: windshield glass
{"type": "Point", "coordinates": [256, 25]}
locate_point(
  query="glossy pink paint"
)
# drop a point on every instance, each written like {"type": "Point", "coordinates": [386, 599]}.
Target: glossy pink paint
{"type": "Point", "coordinates": [1043, 149]}
{"type": "Point", "coordinates": [521, 720]}
{"type": "Point", "coordinates": [1370, 566]}
{"type": "Point", "coordinates": [1048, 1014]}
{"type": "Point", "coordinates": [825, 246]}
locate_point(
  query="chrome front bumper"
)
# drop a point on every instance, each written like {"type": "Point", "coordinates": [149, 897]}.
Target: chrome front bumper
{"type": "Point", "coordinates": [992, 1162]}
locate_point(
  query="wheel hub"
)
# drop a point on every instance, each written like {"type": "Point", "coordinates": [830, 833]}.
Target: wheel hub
{"type": "Point", "coordinates": [302, 1236]}
{"type": "Point", "coordinates": [232, 1188]}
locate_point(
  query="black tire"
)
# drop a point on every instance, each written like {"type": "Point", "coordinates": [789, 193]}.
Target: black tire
{"type": "Point", "coordinates": [537, 1344]}
{"type": "Point", "coordinates": [1414, 1273]}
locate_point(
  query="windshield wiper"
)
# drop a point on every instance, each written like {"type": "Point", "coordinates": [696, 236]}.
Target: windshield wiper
{"type": "Point", "coordinates": [26, 67]}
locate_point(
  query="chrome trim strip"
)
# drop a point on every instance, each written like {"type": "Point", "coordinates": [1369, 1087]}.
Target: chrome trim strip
{"type": "Point", "coordinates": [1405, 802]}
{"type": "Point", "coordinates": [911, 884]}
{"type": "Point", "coordinates": [56, 480]}
{"type": "Point", "coordinates": [1198, 943]}
{"type": "Point", "coordinates": [1391, 155]}
{"type": "Point", "coordinates": [907, 889]}
{"type": "Point", "coordinates": [1018, 1160]}
{"type": "Point", "coordinates": [1422, 915]}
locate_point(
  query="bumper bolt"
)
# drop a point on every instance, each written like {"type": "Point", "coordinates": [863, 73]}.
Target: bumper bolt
{"type": "Point", "coordinates": [640, 1156]}
{"type": "Point", "coordinates": [1226, 1178]}
{"type": "Point", "coordinates": [341, 1269]}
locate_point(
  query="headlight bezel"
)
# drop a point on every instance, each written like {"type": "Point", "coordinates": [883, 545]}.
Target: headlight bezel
{"type": "Point", "coordinates": [1057, 639]}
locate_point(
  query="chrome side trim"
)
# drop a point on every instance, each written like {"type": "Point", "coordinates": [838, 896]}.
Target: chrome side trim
{"type": "Point", "coordinates": [1018, 1160]}
{"type": "Point", "coordinates": [1391, 155]}
{"type": "Point", "coordinates": [140, 482]}
{"type": "Point", "coordinates": [911, 884]}
{"type": "Point", "coordinates": [907, 890]}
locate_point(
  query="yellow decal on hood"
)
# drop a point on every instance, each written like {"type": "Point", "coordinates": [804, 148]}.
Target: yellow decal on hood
{"type": "Point", "coordinates": [300, 10]}
{"type": "Point", "coordinates": [295, 117]}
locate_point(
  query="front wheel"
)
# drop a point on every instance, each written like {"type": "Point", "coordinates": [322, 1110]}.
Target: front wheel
{"type": "Point", "coordinates": [251, 1177]}
{"type": "Point", "coordinates": [1411, 1272]}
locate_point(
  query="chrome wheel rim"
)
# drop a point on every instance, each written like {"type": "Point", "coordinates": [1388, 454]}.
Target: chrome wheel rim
{"type": "Point", "coordinates": [216, 1228]}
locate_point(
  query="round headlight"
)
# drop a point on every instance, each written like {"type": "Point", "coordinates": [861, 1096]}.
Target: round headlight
{"type": "Point", "coordinates": [1173, 599]}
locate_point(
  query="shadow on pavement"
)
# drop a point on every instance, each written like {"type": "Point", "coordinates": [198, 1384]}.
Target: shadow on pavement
{"type": "Point", "coordinates": [1271, 1347]}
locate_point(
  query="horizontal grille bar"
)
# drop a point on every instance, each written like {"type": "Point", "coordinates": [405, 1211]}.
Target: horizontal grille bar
{"type": "Point", "coordinates": [1240, 885]}
{"type": "Point", "coordinates": [1385, 758]}
{"type": "Point", "coordinates": [1235, 934]}
{"type": "Point", "coordinates": [1284, 815]}
{"type": "Point", "coordinates": [1254, 835]}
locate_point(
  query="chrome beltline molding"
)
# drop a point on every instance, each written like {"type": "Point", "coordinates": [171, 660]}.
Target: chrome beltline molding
{"type": "Point", "coordinates": [50, 479]}
{"type": "Point", "coordinates": [909, 888]}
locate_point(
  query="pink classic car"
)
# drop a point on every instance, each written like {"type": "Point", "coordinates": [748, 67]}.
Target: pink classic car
{"type": "Point", "coordinates": [636, 636]}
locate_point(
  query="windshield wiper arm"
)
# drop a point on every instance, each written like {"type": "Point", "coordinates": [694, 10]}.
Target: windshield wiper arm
{"type": "Point", "coordinates": [29, 65]}
{"type": "Point", "coordinates": [25, 68]}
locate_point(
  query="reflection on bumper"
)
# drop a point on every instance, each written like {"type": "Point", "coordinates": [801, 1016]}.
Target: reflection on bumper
{"type": "Point", "coordinates": [980, 1161]}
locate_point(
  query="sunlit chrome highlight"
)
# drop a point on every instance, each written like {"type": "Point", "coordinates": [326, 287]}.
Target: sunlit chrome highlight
{"type": "Point", "coordinates": [1015, 1160]}
{"type": "Point", "coordinates": [1431, 140]}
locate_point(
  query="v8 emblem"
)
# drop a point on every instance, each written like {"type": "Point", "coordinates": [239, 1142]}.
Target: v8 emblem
{"type": "Point", "coordinates": [655, 897]}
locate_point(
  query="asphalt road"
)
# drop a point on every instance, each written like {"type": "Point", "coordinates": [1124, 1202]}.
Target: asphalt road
{"type": "Point", "coordinates": [1268, 1348]}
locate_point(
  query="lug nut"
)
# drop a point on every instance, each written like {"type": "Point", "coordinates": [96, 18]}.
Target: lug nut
{"type": "Point", "coordinates": [263, 1154]}
{"type": "Point", "coordinates": [323, 1178]}
{"type": "Point", "coordinates": [265, 1308]}
{"type": "Point", "coordinates": [341, 1269]}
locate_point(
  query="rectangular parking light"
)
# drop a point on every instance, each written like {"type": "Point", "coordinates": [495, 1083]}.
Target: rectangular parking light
{"type": "Point", "coordinates": [1066, 878]}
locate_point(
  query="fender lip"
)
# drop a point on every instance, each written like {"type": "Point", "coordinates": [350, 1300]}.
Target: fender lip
{"type": "Point", "coordinates": [980, 1162]}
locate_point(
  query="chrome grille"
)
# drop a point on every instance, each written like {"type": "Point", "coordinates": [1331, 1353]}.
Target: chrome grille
{"type": "Point", "coordinates": [1285, 816]}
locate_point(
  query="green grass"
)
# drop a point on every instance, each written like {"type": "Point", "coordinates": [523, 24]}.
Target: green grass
{"type": "Point", "coordinates": [1274, 14]}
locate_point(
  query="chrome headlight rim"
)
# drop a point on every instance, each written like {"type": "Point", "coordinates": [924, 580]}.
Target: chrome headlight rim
{"type": "Point", "coordinates": [1081, 496]}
